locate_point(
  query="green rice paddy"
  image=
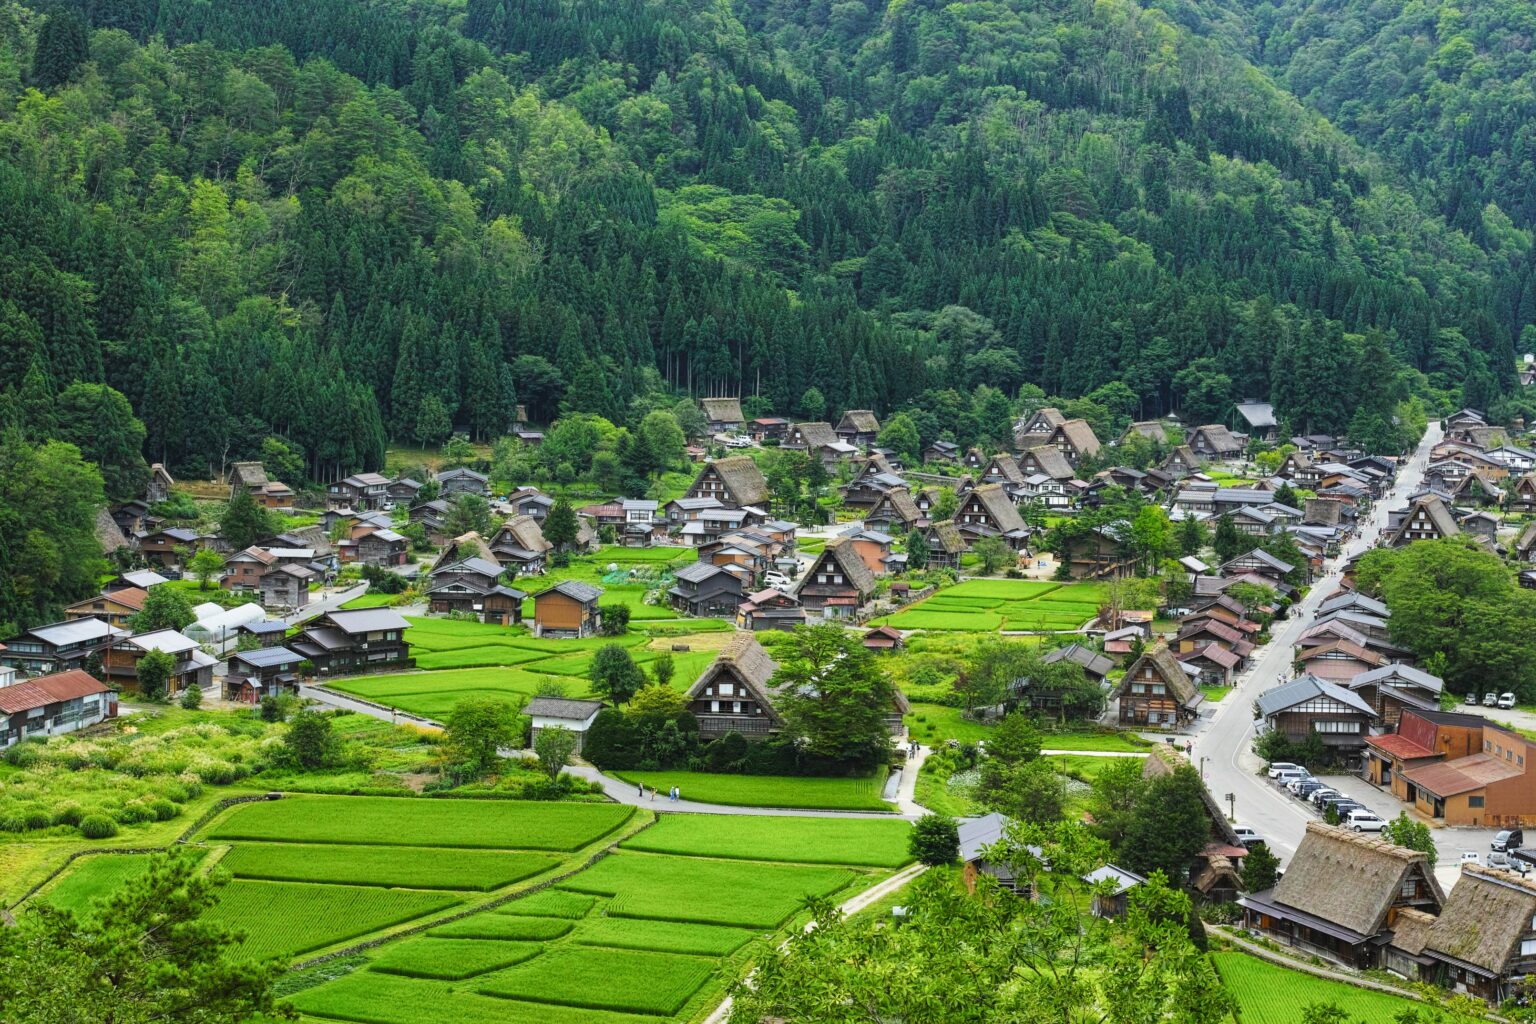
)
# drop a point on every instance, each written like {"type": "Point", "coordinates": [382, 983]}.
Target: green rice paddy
{"type": "Point", "coordinates": [797, 791]}
{"type": "Point", "coordinates": [985, 606]}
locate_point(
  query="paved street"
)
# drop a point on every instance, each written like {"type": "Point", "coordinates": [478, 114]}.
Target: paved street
{"type": "Point", "coordinates": [1224, 737]}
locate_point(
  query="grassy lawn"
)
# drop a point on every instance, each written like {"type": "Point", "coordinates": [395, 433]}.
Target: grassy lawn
{"type": "Point", "coordinates": [940, 795]}
{"type": "Point", "coordinates": [1269, 994]}
{"type": "Point", "coordinates": [766, 790]}
{"type": "Point", "coordinates": [371, 600]}
{"type": "Point", "coordinates": [857, 841]}
{"type": "Point", "coordinates": [1215, 693]}
{"type": "Point", "coordinates": [1118, 742]}
{"type": "Point", "coordinates": [934, 724]}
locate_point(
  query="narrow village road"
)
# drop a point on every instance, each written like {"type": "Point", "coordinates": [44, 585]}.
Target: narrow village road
{"type": "Point", "coordinates": [1224, 740]}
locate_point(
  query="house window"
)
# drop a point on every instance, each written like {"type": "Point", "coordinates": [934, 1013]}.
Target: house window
{"type": "Point", "coordinates": [714, 707]}
{"type": "Point", "coordinates": [727, 689]}
{"type": "Point", "coordinates": [735, 707]}
{"type": "Point", "coordinates": [1410, 889]}
{"type": "Point", "coordinates": [1528, 947]}
{"type": "Point", "coordinates": [1475, 802]}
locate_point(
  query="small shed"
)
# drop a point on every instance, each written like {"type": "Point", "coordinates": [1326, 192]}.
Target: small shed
{"type": "Point", "coordinates": [883, 639]}
{"type": "Point", "coordinates": [552, 712]}
{"type": "Point", "coordinates": [976, 836]}
{"type": "Point", "coordinates": [567, 609]}
{"type": "Point", "coordinates": [1112, 903]}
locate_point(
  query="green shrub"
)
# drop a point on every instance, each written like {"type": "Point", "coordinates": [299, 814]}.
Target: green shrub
{"type": "Point", "coordinates": [164, 810]}
{"type": "Point", "coordinates": [98, 826]}
{"type": "Point", "coordinates": [37, 818]}
{"type": "Point", "coordinates": [68, 813]}
{"type": "Point", "coordinates": [13, 823]}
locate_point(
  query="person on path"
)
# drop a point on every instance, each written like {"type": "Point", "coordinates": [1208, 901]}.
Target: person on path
{"type": "Point", "coordinates": [677, 793]}
{"type": "Point", "coordinates": [653, 794]}
{"type": "Point", "coordinates": [641, 791]}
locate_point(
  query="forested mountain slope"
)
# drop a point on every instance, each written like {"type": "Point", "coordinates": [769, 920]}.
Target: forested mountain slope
{"type": "Point", "coordinates": [1445, 90]}
{"type": "Point", "coordinates": [340, 221]}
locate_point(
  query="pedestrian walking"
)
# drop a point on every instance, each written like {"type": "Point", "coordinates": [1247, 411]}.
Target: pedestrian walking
{"type": "Point", "coordinates": [677, 793]}
{"type": "Point", "coordinates": [653, 794]}
{"type": "Point", "coordinates": [640, 790]}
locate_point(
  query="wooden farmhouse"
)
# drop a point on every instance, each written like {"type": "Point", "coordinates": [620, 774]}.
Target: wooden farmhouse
{"type": "Point", "coordinates": [735, 482]}
{"type": "Point", "coordinates": [115, 608]}
{"type": "Point", "coordinates": [460, 480]}
{"type": "Point", "coordinates": [344, 643]}
{"type": "Point", "coordinates": [1308, 705]}
{"type": "Point", "coordinates": [838, 584]}
{"type": "Point", "coordinates": [1035, 429]}
{"type": "Point", "coordinates": [1214, 441]}
{"type": "Point", "coordinates": [987, 511]}
{"type": "Point", "coordinates": [723, 415]}
{"type": "Point", "coordinates": [733, 694]}
{"type": "Point", "coordinates": [1342, 894]}
{"type": "Point", "coordinates": [1075, 440]}
{"type": "Point", "coordinates": [53, 705]}
{"type": "Point", "coordinates": [858, 427]}
{"type": "Point", "coordinates": [1157, 692]}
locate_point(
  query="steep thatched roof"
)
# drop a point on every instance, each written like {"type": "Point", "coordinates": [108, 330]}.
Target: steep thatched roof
{"type": "Point", "coordinates": [945, 537]}
{"type": "Point", "coordinates": [1152, 430]}
{"type": "Point", "coordinates": [1350, 879]}
{"type": "Point", "coordinates": [722, 410]}
{"type": "Point", "coordinates": [1048, 460]}
{"type": "Point", "coordinates": [522, 532]}
{"type": "Point", "coordinates": [994, 501]}
{"type": "Point", "coordinates": [108, 534]}
{"type": "Point", "coordinates": [1411, 929]}
{"type": "Point", "coordinates": [1168, 669]}
{"type": "Point", "coordinates": [1080, 435]}
{"type": "Point", "coordinates": [1218, 438]}
{"type": "Point", "coordinates": [1484, 917]}
{"type": "Point", "coordinates": [468, 545]}
{"type": "Point", "coordinates": [859, 421]}
{"type": "Point", "coordinates": [1005, 466]}
{"type": "Point", "coordinates": [901, 506]}
{"type": "Point", "coordinates": [746, 661]}
{"type": "Point", "coordinates": [841, 551]}
{"type": "Point", "coordinates": [816, 435]}
{"type": "Point", "coordinates": [743, 480]}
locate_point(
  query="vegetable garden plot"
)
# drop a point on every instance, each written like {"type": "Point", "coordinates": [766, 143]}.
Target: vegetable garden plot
{"type": "Point", "coordinates": [407, 867]}
{"type": "Point", "coordinates": [851, 841]}
{"type": "Point", "coordinates": [452, 959]}
{"type": "Point", "coordinates": [663, 936]}
{"type": "Point", "coordinates": [741, 893]}
{"type": "Point", "coordinates": [290, 918]}
{"type": "Point", "coordinates": [405, 821]}
{"type": "Point", "coordinates": [503, 927]}
{"type": "Point", "coordinates": [605, 979]}
{"type": "Point", "coordinates": [549, 903]}
{"type": "Point", "coordinates": [378, 998]}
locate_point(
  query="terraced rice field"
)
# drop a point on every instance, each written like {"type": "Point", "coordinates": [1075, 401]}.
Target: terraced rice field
{"type": "Point", "coordinates": [389, 866]}
{"type": "Point", "coordinates": [984, 606]}
{"type": "Point", "coordinates": [740, 894]}
{"type": "Point", "coordinates": [802, 840]}
{"type": "Point", "coordinates": [858, 794]}
{"type": "Point", "coordinates": [96, 877]}
{"type": "Point", "coordinates": [636, 937]}
{"type": "Point", "coordinates": [290, 918]}
{"type": "Point", "coordinates": [1267, 994]}
{"type": "Point", "coordinates": [634, 981]}
{"type": "Point", "coordinates": [387, 821]}
{"type": "Point", "coordinates": [471, 659]}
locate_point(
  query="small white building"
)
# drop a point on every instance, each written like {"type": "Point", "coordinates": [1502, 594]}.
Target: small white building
{"type": "Point", "coordinates": [52, 705]}
{"type": "Point", "coordinates": [552, 712]}
{"type": "Point", "coordinates": [221, 627]}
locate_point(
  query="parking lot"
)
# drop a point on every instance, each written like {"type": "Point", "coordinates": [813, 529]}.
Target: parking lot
{"type": "Point", "coordinates": [1449, 842]}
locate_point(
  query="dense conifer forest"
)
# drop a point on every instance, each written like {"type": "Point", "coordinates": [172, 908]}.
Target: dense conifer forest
{"type": "Point", "coordinates": [341, 221]}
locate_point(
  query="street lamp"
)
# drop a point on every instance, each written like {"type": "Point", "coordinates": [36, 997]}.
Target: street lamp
{"type": "Point", "coordinates": [1232, 806]}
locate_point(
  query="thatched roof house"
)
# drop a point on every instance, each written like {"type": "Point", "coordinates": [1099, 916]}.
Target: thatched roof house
{"type": "Point", "coordinates": [735, 482]}
{"type": "Point", "coordinates": [1341, 894]}
{"type": "Point", "coordinates": [1480, 938]}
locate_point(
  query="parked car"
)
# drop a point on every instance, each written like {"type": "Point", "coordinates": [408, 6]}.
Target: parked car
{"type": "Point", "coordinates": [1319, 795]}
{"type": "Point", "coordinates": [1490, 699]}
{"type": "Point", "coordinates": [1342, 805]}
{"type": "Point", "coordinates": [1291, 775]}
{"type": "Point", "coordinates": [1470, 699]}
{"type": "Point", "coordinates": [1295, 784]}
{"type": "Point", "coordinates": [1506, 700]}
{"type": "Point", "coordinates": [1508, 839]}
{"type": "Point", "coordinates": [1365, 821]}
{"type": "Point", "coordinates": [1306, 789]}
{"type": "Point", "coordinates": [1247, 836]}
{"type": "Point", "coordinates": [1471, 857]}
{"type": "Point", "coordinates": [1505, 862]}
{"type": "Point", "coordinates": [777, 580]}
{"type": "Point", "coordinates": [1277, 767]}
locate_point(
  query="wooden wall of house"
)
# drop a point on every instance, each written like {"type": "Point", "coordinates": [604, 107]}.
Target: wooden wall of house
{"type": "Point", "coordinates": [557, 611]}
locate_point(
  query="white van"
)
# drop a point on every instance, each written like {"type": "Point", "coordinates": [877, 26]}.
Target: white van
{"type": "Point", "coordinates": [1365, 821]}
{"type": "Point", "coordinates": [1506, 700]}
{"type": "Point", "coordinates": [1282, 766]}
